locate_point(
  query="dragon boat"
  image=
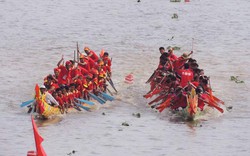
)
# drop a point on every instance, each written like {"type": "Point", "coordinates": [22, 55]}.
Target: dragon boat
{"type": "Point", "coordinates": [190, 102]}
{"type": "Point", "coordinates": [43, 110]}
{"type": "Point", "coordinates": [92, 85]}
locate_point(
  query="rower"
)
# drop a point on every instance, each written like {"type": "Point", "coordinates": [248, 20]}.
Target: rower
{"type": "Point", "coordinates": [186, 75]}
{"type": "Point", "coordinates": [172, 56]}
{"type": "Point", "coordinates": [107, 62]}
{"type": "Point", "coordinates": [91, 54]}
{"type": "Point", "coordinates": [181, 61]}
{"type": "Point", "coordinates": [64, 77]}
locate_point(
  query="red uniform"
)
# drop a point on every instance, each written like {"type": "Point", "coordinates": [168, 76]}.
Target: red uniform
{"type": "Point", "coordinates": [180, 102]}
{"type": "Point", "coordinates": [179, 63]}
{"type": "Point", "coordinates": [64, 76]}
{"type": "Point", "coordinates": [84, 71]}
{"type": "Point", "coordinates": [85, 66]}
{"type": "Point", "coordinates": [91, 63]}
{"type": "Point", "coordinates": [65, 98]}
{"type": "Point", "coordinates": [93, 56]}
{"type": "Point", "coordinates": [186, 76]}
{"type": "Point", "coordinates": [172, 57]}
{"type": "Point", "coordinates": [59, 100]}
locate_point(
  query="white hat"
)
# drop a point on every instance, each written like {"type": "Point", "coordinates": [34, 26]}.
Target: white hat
{"type": "Point", "coordinates": [42, 86]}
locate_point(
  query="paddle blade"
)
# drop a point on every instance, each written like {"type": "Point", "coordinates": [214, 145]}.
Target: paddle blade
{"type": "Point", "coordinates": [108, 97]}
{"type": "Point", "coordinates": [157, 99]}
{"type": "Point", "coordinates": [211, 103]}
{"type": "Point", "coordinates": [97, 98]}
{"type": "Point", "coordinates": [83, 107]}
{"type": "Point", "coordinates": [218, 100]}
{"type": "Point", "coordinates": [85, 101]}
{"type": "Point", "coordinates": [155, 91]}
{"type": "Point", "coordinates": [26, 103]}
{"type": "Point", "coordinates": [164, 105]}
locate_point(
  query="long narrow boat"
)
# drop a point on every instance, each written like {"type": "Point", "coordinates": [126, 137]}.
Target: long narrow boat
{"type": "Point", "coordinates": [92, 84]}
{"type": "Point", "coordinates": [46, 111]}
{"type": "Point", "coordinates": [187, 100]}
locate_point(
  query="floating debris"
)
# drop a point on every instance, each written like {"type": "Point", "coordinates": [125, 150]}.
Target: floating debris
{"type": "Point", "coordinates": [138, 115]}
{"type": "Point", "coordinates": [229, 108]}
{"type": "Point", "coordinates": [139, 1]}
{"type": "Point", "coordinates": [175, 0]}
{"type": "Point", "coordinates": [103, 113]}
{"type": "Point", "coordinates": [171, 38]}
{"type": "Point", "coordinates": [174, 48]}
{"type": "Point", "coordinates": [73, 152]}
{"type": "Point", "coordinates": [236, 80]}
{"type": "Point", "coordinates": [175, 16]}
{"type": "Point", "coordinates": [125, 124]}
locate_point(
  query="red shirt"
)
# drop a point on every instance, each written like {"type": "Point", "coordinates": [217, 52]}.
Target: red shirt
{"type": "Point", "coordinates": [107, 61]}
{"type": "Point", "coordinates": [59, 100]}
{"type": "Point", "coordinates": [180, 102]}
{"type": "Point", "coordinates": [64, 76]}
{"type": "Point", "coordinates": [172, 57]}
{"type": "Point", "coordinates": [179, 63]}
{"type": "Point", "coordinates": [86, 66]}
{"type": "Point", "coordinates": [93, 56]}
{"type": "Point", "coordinates": [71, 96]}
{"type": "Point", "coordinates": [186, 76]}
{"type": "Point", "coordinates": [65, 98]}
{"type": "Point", "coordinates": [91, 63]}
{"type": "Point", "coordinates": [84, 71]}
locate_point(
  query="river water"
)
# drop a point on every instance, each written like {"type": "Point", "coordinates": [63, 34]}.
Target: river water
{"type": "Point", "coordinates": [34, 35]}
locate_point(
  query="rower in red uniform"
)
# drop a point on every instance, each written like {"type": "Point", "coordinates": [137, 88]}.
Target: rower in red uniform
{"type": "Point", "coordinates": [172, 57]}
{"type": "Point", "coordinates": [186, 75]}
{"type": "Point", "coordinates": [84, 63]}
{"type": "Point", "coordinates": [179, 99]}
{"type": "Point", "coordinates": [56, 74]}
{"type": "Point", "coordinates": [178, 64]}
{"type": "Point", "coordinates": [64, 77]}
{"type": "Point", "coordinates": [91, 54]}
{"type": "Point", "coordinates": [107, 62]}
{"type": "Point", "coordinates": [50, 83]}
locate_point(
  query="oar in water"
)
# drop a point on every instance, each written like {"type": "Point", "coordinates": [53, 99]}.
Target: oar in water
{"type": "Point", "coordinates": [151, 77]}
{"type": "Point", "coordinates": [26, 103]}
{"type": "Point", "coordinates": [158, 99]}
{"type": "Point", "coordinates": [101, 101]}
{"type": "Point", "coordinates": [112, 85]}
{"type": "Point", "coordinates": [77, 108]}
{"type": "Point", "coordinates": [30, 109]}
{"type": "Point", "coordinates": [111, 82]}
{"type": "Point", "coordinates": [106, 96]}
{"type": "Point", "coordinates": [164, 105]}
{"type": "Point", "coordinates": [83, 107]}
{"type": "Point", "coordinates": [85, 101]}
{"type": "Point", "coordinates": [109, 92]}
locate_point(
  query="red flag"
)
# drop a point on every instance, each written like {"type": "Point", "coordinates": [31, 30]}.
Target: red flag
{"type": "Point", "coordinates": [38, 139]}
{"type": "Point", "coordinates": [38, 100]}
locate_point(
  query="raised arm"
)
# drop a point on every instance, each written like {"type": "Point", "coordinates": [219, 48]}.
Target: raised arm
{"type": "Point", "coordinates": [59, 63]}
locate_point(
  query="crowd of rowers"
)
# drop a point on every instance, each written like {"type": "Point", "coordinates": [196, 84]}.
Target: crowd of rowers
{"type": "Point", "coordinates": [174, 79]}
{"type": "Point", "coordinates": [76, 78]}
